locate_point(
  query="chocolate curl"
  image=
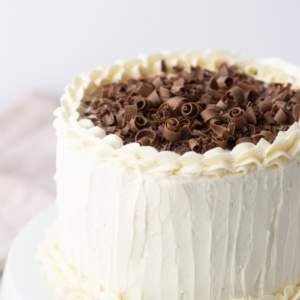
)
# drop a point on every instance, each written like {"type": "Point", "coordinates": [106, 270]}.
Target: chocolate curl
{"type": "Point", "coordinates": [224, 117]}
{"type": "Point", "coordinates": [236, 94]}
{"type": "Point", "coordinates": [178, 85]}
{"type": "Point", "coordinates": [120, 119]}
{"type": "Point", "coordinates": [265, 105]}
{"type": "Point", "coordinates": [172, 130]}
{"type": "Point", "coordinates": [145, 89]}
{"type": "Point", "coordinates": [284, 97]}
{"type": "Point", "coordinates": [200, 133]}
{"type": "Point", "coordinates": [213, 84]}
{"type": "Point", "coordinates": [297, 94]}
{"type": "Point", "coordinates": [143, 104]}
{"type": "Point", "coordinates": [137, 123]}
{"type": "Point", "coordinates": [246, 87]}
{"type": "Point", "coordinates": [157, 82]}
{"type": "Point", "coordinates": [106, 117]}
{"type": "Point", "coordinates": [164, 93]}
{"type": "Point", "coordinates": [194, 145]}
{"type": "Point", "coordinates": [126, 129]}
{"type": "Point", "coordinates": [245, 139]}
{"type": "Point", "coordinates": [280, 117]}
{"type": "Point", "coordinates": [295, 100]}
{"type": "Point", "coordinates": [163, 113]}
{"type": "Point", "coordinates": [253, 129]}
{"type": "Point", "coordinates": [225, 82]}
{"type": "Point", "coordinates": [176, 102]}
{"type": "Point", "coordinates": [231, 128]}
{"type": "Point", "coordinates": [220, 131]}
{"type": "Point", "coordinates": [267, 135]}
{"type": "Point", "coordinates": [222, 104]}
{"type": "Point", "coordinates": [185, 130]}
{"type": "Point", "coordinates": [250, 115]}
{"type": "Point", "coordinates": [280, 104]}
{"type": "Point", "coordinates": [196, 73]}
{"type": "Point", "coordinates": [296, 112]}
{"type": "Point", "coordinates": [154, 99]}
{"type": "Point", "coordinates": [290, 119]}
{"type": "Point", "coordinates": [164, 66]}
{"type": "Point", "coordinates": [190, 110]}
{"type": "Point", "coordinates": [146, 137]}
{"type": "Point", "coordinates": [223, 69]}
{"type": "Point", "coordinates": [105, 92]}
{"type": "Point", "coordinates": [207, 99]}
{"type": "Point", "coordinates": [130, 111]}
{"type": "Point", "coordinates": [131, 81]}
{"type": "Point", "coordinates": [211, 115]}
{"type": "Point", "coordinates": [197, 124]}
{"type": "Point", "coordinates": [185, 127]}
{"type": "Point", "coordinates": [184, 122]}
{"type": "Point", "coordinates": [95, 106]}
{"type": "Point", "coordinates": [220, 142]}
{"type": "Point", "coordinates": [237, 116]}
{"type": "Point", "coordinates": [268, 118]}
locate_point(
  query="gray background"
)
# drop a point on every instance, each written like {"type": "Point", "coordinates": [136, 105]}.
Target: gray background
{"type": "Point", "coordinates": [44, 43]}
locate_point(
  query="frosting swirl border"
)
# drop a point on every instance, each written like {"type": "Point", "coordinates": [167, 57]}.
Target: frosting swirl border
{"type": "Point", "coordinates": [84, 136]}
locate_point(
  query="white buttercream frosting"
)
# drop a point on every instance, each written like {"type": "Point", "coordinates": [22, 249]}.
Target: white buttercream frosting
{"type": "Point", "coordinates": [137, 224]}
{"type": "Point", "coordinates": [200, 238]}
{"type": "Point", "coordinates": [71, 285]}
{"type": "Point", "coordinates": [81, 133]}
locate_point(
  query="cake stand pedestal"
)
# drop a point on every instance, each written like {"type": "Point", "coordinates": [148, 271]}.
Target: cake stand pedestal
{"type": "Point", "coordinates": [22, 279]}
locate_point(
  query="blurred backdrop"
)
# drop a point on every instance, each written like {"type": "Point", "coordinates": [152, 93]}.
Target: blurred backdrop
{"type": "Point", "coordinates": [43, 44]}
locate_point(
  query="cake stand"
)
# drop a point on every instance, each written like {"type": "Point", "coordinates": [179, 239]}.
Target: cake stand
{"type": "Point", "coordinates": [22, 279]}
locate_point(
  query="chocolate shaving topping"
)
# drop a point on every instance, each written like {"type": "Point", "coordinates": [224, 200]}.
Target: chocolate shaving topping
{"type": "Point", "coordinates": [280, 117]}
{"type": "Point", "coordinates": [172, 130]}
{"type": "Point", "coordinates": [194, 110]}
{"type": "Point", "coordinates": [130, 111]}
{"type": "Point", "coordinates": [194, 145]}
{"type": "Point", "coordinates": [146, 137]}
{"type": "Point", "coordinates": [237, 116]}
{"type": "Point", "coordinates": [296, 112]}
{"type": "Point", "coordinates": [137, 122]}
{"type": "Point", "coordinates": [236, 94]}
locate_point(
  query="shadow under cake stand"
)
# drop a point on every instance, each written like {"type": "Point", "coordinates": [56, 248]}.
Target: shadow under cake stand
{"type": "Point", "coordinates": [22, 279]}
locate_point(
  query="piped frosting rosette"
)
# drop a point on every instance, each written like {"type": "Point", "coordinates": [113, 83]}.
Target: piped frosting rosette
{"type": "Point", "coordinates": [83, 135]}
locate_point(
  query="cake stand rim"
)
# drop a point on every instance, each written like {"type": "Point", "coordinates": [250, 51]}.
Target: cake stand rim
{"type": "Point", "coordinates": [22, 279]}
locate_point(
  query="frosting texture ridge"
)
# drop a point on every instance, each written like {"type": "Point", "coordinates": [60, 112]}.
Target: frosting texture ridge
{"type": "Point", "coordinates": [82, 134]}
{"type": "Point", "coordinates": [71, 285]}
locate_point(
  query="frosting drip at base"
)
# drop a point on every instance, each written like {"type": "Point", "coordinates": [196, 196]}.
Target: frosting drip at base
{"type": "Point", "coordinates": [71, 285]}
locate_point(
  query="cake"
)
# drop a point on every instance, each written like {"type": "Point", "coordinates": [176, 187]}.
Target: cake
{"type": "Point", "coordinates": [178, 178]}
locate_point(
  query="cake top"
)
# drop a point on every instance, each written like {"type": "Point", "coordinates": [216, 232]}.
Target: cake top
{"type": "Point", "coordinates": [75, 122]}
{"type": "Point", "coordinates": [194, 110]}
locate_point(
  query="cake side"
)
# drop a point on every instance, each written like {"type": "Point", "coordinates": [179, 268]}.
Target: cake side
{"type": "Point", "coordinates": [146, 237]}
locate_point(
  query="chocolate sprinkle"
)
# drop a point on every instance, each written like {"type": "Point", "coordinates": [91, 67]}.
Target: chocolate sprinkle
{"type": "Point", "coordinates": [194, 111]}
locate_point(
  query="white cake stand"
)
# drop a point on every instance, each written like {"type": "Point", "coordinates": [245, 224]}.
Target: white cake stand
{"type": "Point", "coordinates": [22, 279]}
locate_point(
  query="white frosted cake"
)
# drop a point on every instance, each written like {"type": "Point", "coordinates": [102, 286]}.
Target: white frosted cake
{"type": "Point", "coordinates": [187, 189]}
